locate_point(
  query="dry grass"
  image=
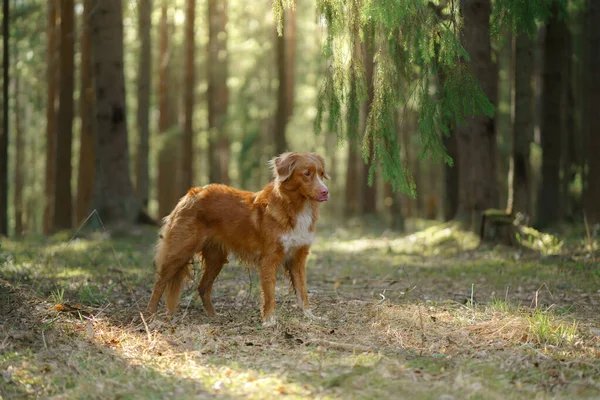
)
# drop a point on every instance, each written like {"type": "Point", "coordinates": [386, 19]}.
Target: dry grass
{"type": "Point", "coordinates": [400, 323]}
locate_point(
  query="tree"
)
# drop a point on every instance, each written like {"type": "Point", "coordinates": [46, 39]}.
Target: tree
{"type": "Point", "coordinates": [19, 156]}
{"type": "Point", "coordinates": [476, 141]}
{"type": "Point", "coordinates": [402, 31]}
{"type": "Point", "coordinates": [85, 177]}
{"type": "Point", "coordinates": [552, 102]}
{"type": "Point", "coordinates": [187, 167]}
{"type": "Point", "coordinates": [286, 48]}
{"type": "Point", "coordinates": [143, 98]}
{"type": "Point", "coordinates": [114, 196]}
{"type": "Point", "coordinates": [4, 134]}
{"type": "Point", "coordinates": [592, 193]}
{"type": "Point", "coordinates": [218, 93]}
{"type": "Point", "coordinates": [522, 130]}
{"type": "Point", "coordinates": [50, 171]}
{"type": "Point", "coordinates": [62, 190]}
{"type": "Point", "coordinates": [369, 185]}
{"type": "Point", "coordinates": [168, 166]}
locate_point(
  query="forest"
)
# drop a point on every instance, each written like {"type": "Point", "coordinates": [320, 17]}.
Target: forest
{"type": "Point", "coordinates": [458, 255]}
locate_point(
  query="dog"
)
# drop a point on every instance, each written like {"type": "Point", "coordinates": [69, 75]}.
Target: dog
{"type": "Point", "coordinates": [266, 229]}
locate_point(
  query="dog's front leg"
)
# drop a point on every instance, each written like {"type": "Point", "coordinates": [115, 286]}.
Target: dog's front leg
{"type": "Point", "coordinates": [268, 279]}
{"type": "Point", "coordinates": [297, 271]}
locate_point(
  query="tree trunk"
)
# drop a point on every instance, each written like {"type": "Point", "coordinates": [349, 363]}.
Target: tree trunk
{"type": "Point", "coordinates": [4, 134]}
{"type": "Point", "coordinates": [450, 172]}
{"type": "Point", "coordinates": [114, 196]}
{"type": "Point", "coordinates": [168, 160]}
{"type": "Point", "coordinates": [281, 114]}
{"type": "Point", "coordinates": [187, 167]}
{"type": "Point", "coordinates": [592, 194]}
{"type": "Point", "coordinates": [476, 141]}
{"type": "Point", "coordinates": [391, 202]}
{"type": "Point", "coordinates": [85, 178]}
{"type": "Point", "coordinates": [553, 81]}
{"type": "Point", "coordinates": [143, 98]}
{"type": "Point", "coordinates": [369, 193]}
{"type": "Point", "coordinates": [352, 181]}
{"type": "Point", "coordinates": [567, 128]}
{"type": "Point", "coordinates": [289, 34]}
{"type": "Point", "coordinates": [286, 51]}
{"type": "Point", "coordinates": [50, 118]}
{"type": "Point", "coordinates": [522, 133]}
{"type": "Point", "coordinates": [63, 210]}
{"type": "Point", "coordinates": [218, 93]}
{"type": "Point", "coordinates": [19, 158]}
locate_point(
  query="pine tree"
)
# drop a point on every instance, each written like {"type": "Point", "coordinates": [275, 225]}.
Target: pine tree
{"type": "Point", "coordinates": [63, 211]}
{"type": "Point", "coordinates": [553, 80]}
{"type": "Point", "coordinates": [187, 167]}
{"type": "Point", "coordinates": [50, 117]}
{"type": "Point", "coordinates": [114, 197]}
{"type": "Point", "coordinates": [143, 98]}
{"type": "Point", "coordinates": [592, 96]}
{"type": "Point", "coordinates": [85, 177]}
{"type": "Point", "coordinates": [218, 92]}
{"type": "Point", "coordinates": [406, 36]}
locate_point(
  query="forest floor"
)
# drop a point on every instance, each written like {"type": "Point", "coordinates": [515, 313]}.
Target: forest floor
{"type": "Point", "coordinates": [427, 315]}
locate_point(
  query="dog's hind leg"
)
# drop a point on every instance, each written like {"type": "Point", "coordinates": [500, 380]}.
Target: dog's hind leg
{"type": "Point", "coordinates": [213, 259]}
{"type": "Point", "coordinates": [174, 251]}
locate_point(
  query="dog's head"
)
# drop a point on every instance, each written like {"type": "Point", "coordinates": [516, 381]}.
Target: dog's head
{"type": "Point", "coordinates": [304, 172]}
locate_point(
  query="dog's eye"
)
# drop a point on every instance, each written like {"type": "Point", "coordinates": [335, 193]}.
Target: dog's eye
{"type": "Point", "coordinates": [307, 173]}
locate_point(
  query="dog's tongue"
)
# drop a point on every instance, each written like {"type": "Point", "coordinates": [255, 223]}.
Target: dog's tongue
{"type": "Point", "coordinates": [323, 198]}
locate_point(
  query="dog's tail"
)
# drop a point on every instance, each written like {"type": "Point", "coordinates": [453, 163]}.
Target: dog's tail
{"type": "Point", "coordinates": [173, 290]}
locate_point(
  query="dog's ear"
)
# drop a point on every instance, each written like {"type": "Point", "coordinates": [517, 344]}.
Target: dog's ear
{"type": "Point", "coordinates": [322, 161]}
{"type": "Point", "coordinates": [283, 165]}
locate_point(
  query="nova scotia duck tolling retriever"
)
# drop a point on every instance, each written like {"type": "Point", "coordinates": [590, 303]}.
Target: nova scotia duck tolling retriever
{"type": "Point", "coordinates": [266, 229]}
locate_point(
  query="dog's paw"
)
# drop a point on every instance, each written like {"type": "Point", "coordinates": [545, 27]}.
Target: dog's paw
{"type": "Point", "coordinates": [308, 314]}
{"type": "Point", "coordinates": [269, 322]}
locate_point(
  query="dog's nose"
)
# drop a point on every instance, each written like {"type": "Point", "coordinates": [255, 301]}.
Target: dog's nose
{"type": "Point", "coordinates": [324, 192]}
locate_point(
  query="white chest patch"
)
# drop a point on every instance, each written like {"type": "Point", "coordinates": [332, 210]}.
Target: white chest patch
{"type": "Point", "coordinates": [300, 235]}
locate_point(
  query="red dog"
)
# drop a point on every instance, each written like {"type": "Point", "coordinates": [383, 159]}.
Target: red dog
{"type": "Point", "coordinates": [268, 228]}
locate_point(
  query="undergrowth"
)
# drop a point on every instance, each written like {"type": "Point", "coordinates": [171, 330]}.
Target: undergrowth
{"type": "Point", "coordinates": [425, 315]}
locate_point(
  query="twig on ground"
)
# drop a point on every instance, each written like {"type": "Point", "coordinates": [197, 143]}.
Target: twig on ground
{"type": "Point", "coordinates": [146, 326]}
{"type": "Point", "coordinates": [44, 340]}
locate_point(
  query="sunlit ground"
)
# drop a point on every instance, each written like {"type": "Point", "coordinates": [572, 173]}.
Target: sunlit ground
{"type": "Point", "coordinates": [430, 314]}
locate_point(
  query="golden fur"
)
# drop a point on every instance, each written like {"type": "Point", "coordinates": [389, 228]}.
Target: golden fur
{"type": "Point", "coordinates": [269, 228]}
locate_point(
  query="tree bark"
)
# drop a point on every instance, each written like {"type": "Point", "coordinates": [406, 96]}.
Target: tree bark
{"type": "Point", "coordinates": [450, 172]}
{"type": "Point", "coordinates": [143, 98]}
{"type": "Point", "coordinates": [567, 127]}
{"type": "Point", "coordinates": [187, 167]}
{"type": "Point", "coordinates": [19, 158]}
{"type": "Point", "coordinates": [552, 98]}
{"type": "Point", "coordinates": [85, 177]}
{"type": "Point", "coordinates": [63, 210]}
{"type": "Point", "coordinates": [352, 179]}
{"type": "Point", "coordinates": [476, 141]}
{"type": "Point", "coordinates": [168, 160]}
{"type": "Point", "coordinates": [50, 118]}
{"type": "Point", "coordinates": [522, 132]}
{"type": "Point", "coordinates": [114, 196]}
{"type": "Point", "coordinates": [286, 45]}
{"type": "Point", "coordinates": [592, 193]}
{"type": "Point", "coordinates": [4, 134]}
{"type": "Point", "coordinates": [218, 93]}
{"type": "Point", "coordinates": [369, 193]}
